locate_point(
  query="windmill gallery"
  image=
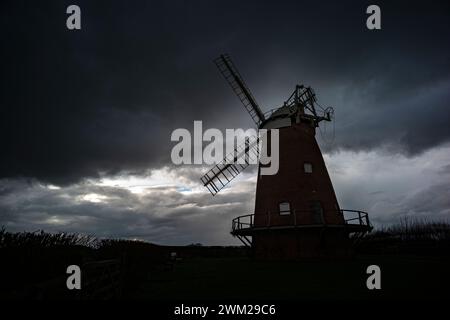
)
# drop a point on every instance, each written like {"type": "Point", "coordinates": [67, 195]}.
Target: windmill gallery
{"type": "Point", "coordinates": [296, 212]}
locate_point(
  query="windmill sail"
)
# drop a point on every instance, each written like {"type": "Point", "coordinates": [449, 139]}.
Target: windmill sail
{"type": "Point", "coordinates": [234, 79]}
{"type": "Point", "coordinates": [233, 164]}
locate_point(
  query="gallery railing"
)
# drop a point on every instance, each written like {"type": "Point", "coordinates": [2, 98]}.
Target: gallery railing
{"type": "Point", "coordinates": [351, 218]}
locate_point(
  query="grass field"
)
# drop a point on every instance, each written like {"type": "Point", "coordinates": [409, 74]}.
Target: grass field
{"type": "Point", "coordinates": [402, 277]}
{"type": "Point", "coordinates": [413, 257]}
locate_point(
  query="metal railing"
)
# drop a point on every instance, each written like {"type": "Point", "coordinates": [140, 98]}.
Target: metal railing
{"type": "Point", "coordinates": [242, 222]}
{"type": "Point", "coordinates": [361, 217]}
{"type": "Point", "coordinates": [357, 218]}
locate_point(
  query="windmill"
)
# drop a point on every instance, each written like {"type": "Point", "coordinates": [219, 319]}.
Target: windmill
{"type": "Point", "coordinates": [296, 213]}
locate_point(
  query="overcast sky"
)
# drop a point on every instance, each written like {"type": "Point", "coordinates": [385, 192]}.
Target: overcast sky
{"type": "Point", "coordinates": [86, 116]}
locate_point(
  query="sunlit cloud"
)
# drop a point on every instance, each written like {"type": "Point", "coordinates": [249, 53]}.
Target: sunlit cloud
{"type": "Point", "coordinates": [53, 187]}
{"type": "Point", "coordinates": [95, 198]}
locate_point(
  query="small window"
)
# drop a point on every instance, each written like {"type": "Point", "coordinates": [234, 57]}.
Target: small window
{"type": "Point", "coordinates": [285, 208]}
{"type": "Point", "coordinates": [308, 167]}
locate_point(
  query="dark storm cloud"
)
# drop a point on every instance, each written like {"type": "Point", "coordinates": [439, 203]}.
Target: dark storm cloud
{"type": "Point", "coordinates": [430, 203]}
{"type": "Point", "coordinates": [105, 99]}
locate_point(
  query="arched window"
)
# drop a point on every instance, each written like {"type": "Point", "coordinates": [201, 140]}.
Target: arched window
{"type": "Point", "coordinates": [285, 208]}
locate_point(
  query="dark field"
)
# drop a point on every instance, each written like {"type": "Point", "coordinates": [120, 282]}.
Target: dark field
{"type": "Point", "coordinates": [402, 277]}
{"type": "Point", "coordinates": [414, 258]}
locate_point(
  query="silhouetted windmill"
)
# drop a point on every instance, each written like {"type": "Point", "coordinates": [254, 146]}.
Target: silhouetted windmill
{"type": "Point", "coordinates": [296, 210]}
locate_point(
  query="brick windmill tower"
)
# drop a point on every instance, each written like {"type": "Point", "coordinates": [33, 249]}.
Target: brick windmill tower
{"type": "Point", "coordinates": [296, 212]}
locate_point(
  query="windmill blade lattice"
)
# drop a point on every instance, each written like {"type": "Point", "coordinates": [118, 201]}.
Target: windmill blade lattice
{"type": "Point", "coordinates": [233, 164]}
{"type": "Point", "coordinates": [236, 82]}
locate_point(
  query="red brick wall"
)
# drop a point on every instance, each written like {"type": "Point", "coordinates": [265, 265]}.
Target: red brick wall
{"type": "Point", "coordinates": [297, 146]}
{"type": "Point", "coordinates": [302, 243]}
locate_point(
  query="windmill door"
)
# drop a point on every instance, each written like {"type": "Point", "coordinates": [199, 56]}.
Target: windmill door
{"type": "Point", "coordinates": [317, 212]}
